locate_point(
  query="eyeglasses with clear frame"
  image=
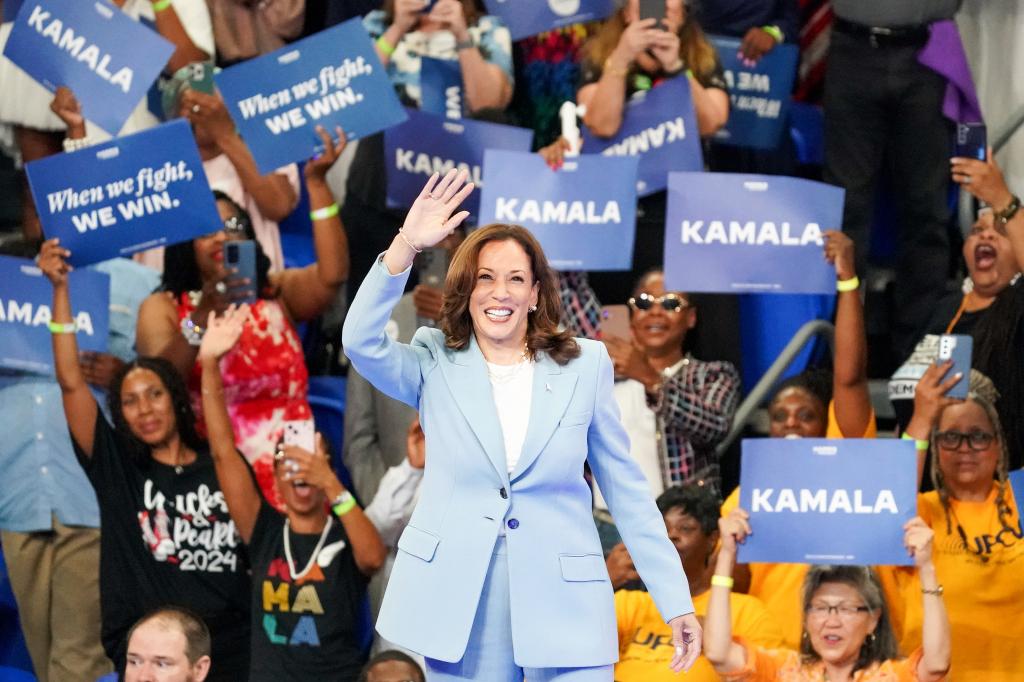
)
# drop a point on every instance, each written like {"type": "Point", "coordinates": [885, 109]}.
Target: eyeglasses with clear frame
{"type": "Point", "coordinates": [977, 439]}
{"type": "Point", "coordinates": [670, 302]}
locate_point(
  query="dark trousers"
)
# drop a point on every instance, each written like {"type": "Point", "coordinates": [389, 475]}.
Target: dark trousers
{"type": "Point", "coordinates": [884, 108]}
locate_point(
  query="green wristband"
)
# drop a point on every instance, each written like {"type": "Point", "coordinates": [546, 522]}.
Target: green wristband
{"type": "Point", "coordinates": [63, 327]}
{"type": "Point", "coordinates": [161, 5]}
{"type": "Point", "coordinates": [774, 32]}
{"type": "Point", "coordinates": [345, 507]}
{"type": "Point", "coordinates": [919, 445]}
{"type": "Point", "coordinates": [324, 213]}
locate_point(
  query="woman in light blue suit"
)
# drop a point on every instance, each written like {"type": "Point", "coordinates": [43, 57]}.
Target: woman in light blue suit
{"type": "Point", "coordinates": [500, 571]}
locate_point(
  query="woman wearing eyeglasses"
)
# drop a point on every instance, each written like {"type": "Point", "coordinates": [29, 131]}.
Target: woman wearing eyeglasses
{"type": "Point", "coordinates": [675, 408]}
{"type": "Point", "coordinates": [979, 547]}
{"type": "Point", "coordinates": [847, 633]}
{"type": "Point", "coordinates": [265, 375]}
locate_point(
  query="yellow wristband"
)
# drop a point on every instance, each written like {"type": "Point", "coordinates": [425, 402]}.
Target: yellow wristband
{"type": "Point", "coordinates": [161, 5]}
{"type": "Point", "coordinates": [722, 581]}
{"type": "Point", "coordinates": [920, 445]}
{"type": "Point", "coordinates": [63, 327]}
{"type": "Point", "coordinates": [345, 507]}
{"type": "Point", "coordinates": [324, 213]}
{"type": "Point", "coordinates": [844, 285]}
{"type": "Point", "coordinates": [387, 48]}
{"type": "Point", "coordinates": [774, 32]}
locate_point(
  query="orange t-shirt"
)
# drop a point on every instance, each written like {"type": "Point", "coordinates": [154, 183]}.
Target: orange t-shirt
{"type": "Point", "coordinates": [784, 665]}
{"type": "Point", "coordinates": [645, 640]}
{"type": "Point", "coordinates": [983, 587]}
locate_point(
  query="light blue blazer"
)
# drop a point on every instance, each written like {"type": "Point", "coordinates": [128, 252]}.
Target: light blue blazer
{"type": "Point", "coordinates": [563, 612]}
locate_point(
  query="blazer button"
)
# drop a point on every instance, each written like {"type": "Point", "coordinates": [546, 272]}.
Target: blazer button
{"type": "Point", "coordinates": [503, 493]}
{"type": "Point", "coordinates": [513, 523]}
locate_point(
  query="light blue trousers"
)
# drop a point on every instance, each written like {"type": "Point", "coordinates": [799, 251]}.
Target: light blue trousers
{"type": "Point", "coordinates": [489, 656]}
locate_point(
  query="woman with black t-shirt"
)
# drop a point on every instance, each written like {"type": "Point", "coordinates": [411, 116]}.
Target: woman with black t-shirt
{"type": "Point", "coordinates": [310, 568]}
{"type": "Point", "coordinates": [166, 538]}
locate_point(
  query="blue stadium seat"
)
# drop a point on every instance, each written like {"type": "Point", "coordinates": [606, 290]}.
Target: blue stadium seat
{"type": "Point", "coordinates": [807, 129]}
{"type": "Point", "coordinates": [327, 398]}
{"type": "Point", "coordinates": [15, 663]}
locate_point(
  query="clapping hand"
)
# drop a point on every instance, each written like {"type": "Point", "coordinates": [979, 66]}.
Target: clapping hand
{"type": "Point", "coordinates": [223, 331]}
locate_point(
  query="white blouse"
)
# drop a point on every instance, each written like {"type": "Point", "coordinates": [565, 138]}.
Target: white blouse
{"type": "Point", "coordinates": [513, 390]}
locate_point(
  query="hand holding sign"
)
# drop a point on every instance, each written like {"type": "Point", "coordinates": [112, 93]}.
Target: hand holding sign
{"type": "Point", "coordinates": [52, 261]}
{"type": "Point", "coordinates": [839, 252]}
{"type": "Point", "coordinates": [65, 105]}
{"type": "Point", "coordinates": [733, 530]}
{"type": "Point", "coordinates": [756, 43]}
{"type": "Point", "coordinates": [317, 167]}
{"type": "Point", "coordinates": [208, 114]}
{"type": "Point", "coordinates": [918, 540]}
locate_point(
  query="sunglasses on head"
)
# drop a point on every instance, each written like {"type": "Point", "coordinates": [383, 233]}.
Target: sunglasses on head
{"type": "Point", "coordinates": [670, 303]}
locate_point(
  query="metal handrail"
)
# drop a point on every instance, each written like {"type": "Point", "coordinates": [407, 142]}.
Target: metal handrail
{"type": "Point", "coordinates": [999, 139]}
{"type": "Point", "coordinates": [760, 391]}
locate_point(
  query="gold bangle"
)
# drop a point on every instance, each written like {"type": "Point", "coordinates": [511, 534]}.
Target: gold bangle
{"type": "Point", "coordinates": [610, 69]}
{"type": "Point", "coordinates": [722, 581]}
{"type": "Point", "coordinates": [844, 285]}
{"type": "Point", "coordinates": [401, 233]}
{"type": "Point", "coordinates": [937, 591]}
{"type": "Point", "coordinates": [387, 48]}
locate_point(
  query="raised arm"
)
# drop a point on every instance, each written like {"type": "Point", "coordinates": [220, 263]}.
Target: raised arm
{"type": "Point", "coordinates": [314, 468]}
{"type": "Point", "coordinates": [236, 482]}
{"type": "Point", "coordinates": [80, 406]}
{"type": "Point", "coordinates": [936, 641]}
{"type": "Point", "coordinates": [850, 367]}
{"type": "Point", "coordinates": [725, 654]}
{"type": "Point", "coordinates": [307, 292]}
{"type": "Point", "coordinates": [929, 401]}
{"type": "Point", "coordinates": [487, 84]}
{"type": "Point", "coordinates": [985, 181]}
{"type": "Point", "coordinates": [171, 27]}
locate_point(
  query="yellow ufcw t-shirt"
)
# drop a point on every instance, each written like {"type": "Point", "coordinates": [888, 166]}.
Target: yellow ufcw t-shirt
{"type": "Point", "coordinates": [645, 640]}
{"type": "Point", "coordinates": [983, 587]}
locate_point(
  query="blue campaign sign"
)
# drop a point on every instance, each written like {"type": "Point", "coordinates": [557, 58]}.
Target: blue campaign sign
{"type": "Point", "coordinates": [10, 10]}
{"type": "Point", "coordinates": [584, 214]}
{"type": "Point", "coordinates": [759, 96]}
{"type": "Point", "coordinates": [526, 18]}
{"type": "Point", "coordinates": [733, 233]}
{"type": "Point", "coordinates": [108, 60]}
{"type": "Point", "coordinates": [658, 126]}
{"type": "Point", "coordinates": [332, 78]}
{"type": "Point", "coordinates": [129, 194]}
{"type": "Point", "coordinates": [427, 143]}
{"type": "Point", "coordinates": [1017, 485]}
{"type": "Point", "coordinates": [441, 90]}
{"type": "Point", "coordinates": [25, 299]}
{"type": "Point", "coordinates": [827, 500]}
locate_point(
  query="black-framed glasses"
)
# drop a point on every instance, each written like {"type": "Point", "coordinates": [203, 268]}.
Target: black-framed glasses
{"type": "Point", "coordinates": [670, 302]}
{"type": "Point", "coordinates": [977, 439]}
{"type": "Point", "coordinates": [844, 611]}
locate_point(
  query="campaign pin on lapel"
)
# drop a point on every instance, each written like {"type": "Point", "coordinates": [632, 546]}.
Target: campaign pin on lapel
{"type": "Point", "coordinates": [547, 387]}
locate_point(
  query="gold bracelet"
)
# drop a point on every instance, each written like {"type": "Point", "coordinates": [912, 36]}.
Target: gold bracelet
{"type": "Point", "coordinates": [937, 591]}
{"type": "Point", "coordinates": [844, 285]}
{"type": "Point", "coordinates": [401, 233]}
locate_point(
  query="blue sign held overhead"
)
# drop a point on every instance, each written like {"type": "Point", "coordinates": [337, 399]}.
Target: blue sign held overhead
{"type": "Point", "coordinates": [333, 78]}
{"type": "Point", "coordinates": [828, 500]}
{"type": "Point", "coordinates": [25, 314]}
{"type": "Point", "coordinates": [759, 95]}
{"type": "Point", "coordinates": [660, 127]}
{"type": "Point", "coordinates": [129, 194]}
{"type": "Point", "coordinates": [584, 214]}
{"type": "Point", "coordinates": [108, 60]}
{"type": "Point", "coordinates": [733, 233]}
{"type": "Point", "coordinates": [441, 89]}
{"type": "Point", "coordinates": [526, 18]}
{"type": "Point", "coordinates": [427, 143]}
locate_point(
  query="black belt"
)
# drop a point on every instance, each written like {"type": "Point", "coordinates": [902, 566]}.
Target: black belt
{"type": "Point", "coordinates": [883, 36]}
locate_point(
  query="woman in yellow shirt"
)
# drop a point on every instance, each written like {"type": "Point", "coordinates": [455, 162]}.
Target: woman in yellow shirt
{"type": "Point", "coordinates": [979, 545]}
{"type": "Point", "coordinates": [846, 635]}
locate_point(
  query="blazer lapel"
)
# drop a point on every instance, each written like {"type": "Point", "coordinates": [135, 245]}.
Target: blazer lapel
{"type": "Point", "coordinates": [466, 374]}
{"type": "Point", "coordinates": [552, 391]}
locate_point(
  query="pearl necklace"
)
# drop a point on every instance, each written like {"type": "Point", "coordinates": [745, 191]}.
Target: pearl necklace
{"type": "Point", "coordinates": [316, 550]}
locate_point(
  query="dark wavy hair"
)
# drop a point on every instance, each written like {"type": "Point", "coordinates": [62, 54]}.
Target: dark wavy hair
{"type": "Point", "coordinates": [181, 272]}
{"type": "Point", "coordinates": [185, 418]}
{"type": "Point", "coordinates": [880, 645]}
{"type": "Point", "coordinates": [542, 332]}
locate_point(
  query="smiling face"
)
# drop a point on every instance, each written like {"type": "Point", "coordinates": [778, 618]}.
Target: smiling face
{"type": "Point", "coordinates": [989, 257]}
{"type": "Point", "coordinates": [966, 470]}
{"type": "Point", "coordinates": [504, 291]}
{"type": "Point", "coordinates": [148, 408]}
{"type": "Point", "coordinates": [795, 412]}
{"type": "Point", "coordinates": [659, 331]}
{"type": "Point", "coordinates": [837, 635]}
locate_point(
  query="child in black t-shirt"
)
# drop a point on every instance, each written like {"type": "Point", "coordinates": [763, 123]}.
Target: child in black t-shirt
{"type": "Point", "coordinates": [310, 567]}
{"type": "Point", "coordinates": [166, 538]}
